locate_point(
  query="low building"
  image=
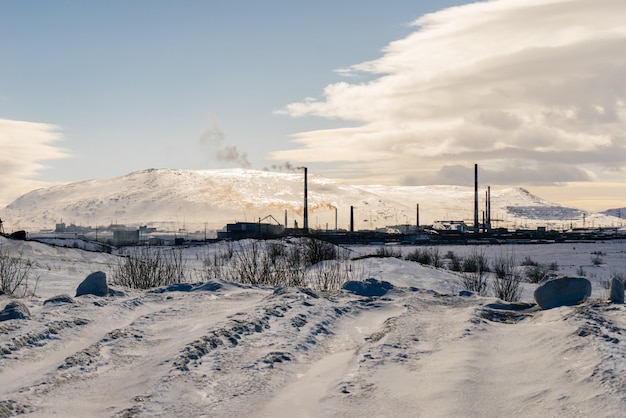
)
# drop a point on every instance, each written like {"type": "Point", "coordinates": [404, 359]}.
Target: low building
{"type": "Point", "coordinates": [125, 237]}
{"type": "Point", "coordinates": [241, 230]}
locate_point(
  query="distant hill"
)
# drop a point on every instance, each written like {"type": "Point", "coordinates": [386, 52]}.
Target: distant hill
{"type": "Point", "coordinates": [172, 199]}
{"type": "Point", "coordinates": [617, 212]}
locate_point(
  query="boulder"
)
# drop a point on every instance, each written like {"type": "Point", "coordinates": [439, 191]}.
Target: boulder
{"type": "Point", "coordinates": [616, 291]}
{"type": "Point", "coordinates": [94, 284]}
{"type": "Point", "coordinates": [562, 291]}
{"type": "Point", "coordinates": [369, 287]}
{"type": "Point", "coordinates": [14, 310]}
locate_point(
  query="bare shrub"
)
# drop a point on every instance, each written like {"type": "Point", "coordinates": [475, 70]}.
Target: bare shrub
{"type": "Point", "coordinates": [315, 250]}
{"type": "Point", "coordinates": [258, 263]}
{"type": "Point", "coordinates": [329, 275]}
{"type": "Point", "coordinates": [387, 251]}
{"type": "Point", "coordinates": [527, 261]}
{"type": "Point", "coordinates": [474, 272]}
{"type": "Point", "coordinates": [475, 262]}
{"type": "Point", "coordinates": [596, 259]}
{"type": "Point", "coordinates": [15, 274]}
{"type": "Point", "coordinates": [506, 281]}
{"type": "Point", "coordinates": [580, 271]}
{"type": "Point", "coordinates": [148, 267]}
{"type": "Point", "coordinates": [427, 256]}
{"type": "Point", "coordinates": [214, 265]}
{"type": "Point", "coordinates": [474, 282]}
{"type": "Point", "coordinates": [534, 273]}
{"type": "Point", "coordinates": [249, 265]}
{"type": "Point", "coordinates": [454, 262]}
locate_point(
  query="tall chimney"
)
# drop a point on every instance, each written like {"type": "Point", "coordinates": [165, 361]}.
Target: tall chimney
{"type": "Point", "coordinates": [476, 197]}
{"type": "Point", "coordinates": [335, 218]}
{"type": "Point", "coordinates": [351, 218]}
{"type": "Point", "coordinates": [417, 210]}
{"type": "Point", "coordinates": [489, 207]}
{"type": "Point", "coordinates": [306, 200]}
{"type": "Point", "coordinates": [285, 218]}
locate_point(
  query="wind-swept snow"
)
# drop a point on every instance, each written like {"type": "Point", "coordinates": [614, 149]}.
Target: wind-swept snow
{"type": "Point", "coordinates": [223, 349]}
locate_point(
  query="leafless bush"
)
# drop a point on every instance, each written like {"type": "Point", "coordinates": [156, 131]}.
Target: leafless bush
{"type": "Point", "coordinates": [474, 276]}
{"type": "Point", "coordinates": [272, 263]}
{"type": "Point", "coordinates": [596, 259]}
{"type": "Point", "coordinates": [506, 281]}
{"type": "Point", "coordinates": [15, 274]}
{"type": "Point", "coordinates": [214, 265]}
{"type": "Point", "coordinates": [428, 256]}
{"type": "Point", "coordinates": [329, 275]}
{"type": "Point", "coordinates": [581, 271]}
{"type": "Point", "coordinates": [534, 273]}
{"type": "Point", "coordinates": [257, 263]}
{"type": "Point", "coordinates": [387, 251]}
{"type": "Point", "coordinates": [455, 262]}
{"type": "Point", "coordinates": [475, 262]}
{"type": "Point", "coordinates": [315, 250]}
{"type": "Point", "coordinates": [527, 261]}
{"type": "Point", "coordinates": [249, 265]}
{"type": "Point", "coordinates": [474, 282]}
{"type": "Point", "coordinates": [148, 267]}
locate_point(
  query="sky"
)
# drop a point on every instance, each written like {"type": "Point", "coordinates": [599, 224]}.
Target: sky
{"type": "Point", "coordinates": [369, 92]}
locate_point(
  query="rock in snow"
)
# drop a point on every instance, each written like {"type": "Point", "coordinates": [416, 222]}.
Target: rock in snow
{"type": "Point", "coordinates": [94, 284]}
{"type": "Point", "coordinates": [369, 287]}
{"type": "Point", "coordinates": [562, 291]}
{"type": "Point", "coordinates": [616, 294]}
{"type": "Point", "coordinates": [14, 310]}
{"type": "Point", "coordinates": [59, 299]}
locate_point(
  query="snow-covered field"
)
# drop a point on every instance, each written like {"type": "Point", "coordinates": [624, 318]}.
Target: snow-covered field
{"type": "Point", "coordinates": [220, 349]}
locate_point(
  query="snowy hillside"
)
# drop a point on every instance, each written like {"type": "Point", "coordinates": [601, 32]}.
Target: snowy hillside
{"type": "Point", "coordinates": [219, 349]}
{"type": "Point", "coordinates": [195, 199]}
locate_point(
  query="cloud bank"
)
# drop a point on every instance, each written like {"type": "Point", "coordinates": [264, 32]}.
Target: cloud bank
{"type": "Point", "coordinates": [24, 146]}
{"type": "Point", "coordinates": [531, 90]}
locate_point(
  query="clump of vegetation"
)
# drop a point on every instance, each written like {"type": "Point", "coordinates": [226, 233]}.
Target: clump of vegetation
{"type": "Point", "coordinates": [507, 281]}
{"type": "Point", "coordinates": [385, 251]}
{"type": "Point", "coordinates": [527, 261]}
{"type": "Point", "coordinates": [280, 263]}
{"type": "Point", "coordinates": [596, 259]}
{"type": "Point", "coordinates": [534, 273]}
{"type": "Point", "coordinates": [16, 278]}
{"type": "Point", "coordinates": [427, 256]}
{"type": "Point", "coordinates": [475, 262]}
{"type": "Point", "coordinates": [147, 267]}
{"type": "Point", "coordinates": [454, 262]}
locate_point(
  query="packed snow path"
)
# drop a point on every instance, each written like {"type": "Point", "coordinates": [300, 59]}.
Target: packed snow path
{"type": "Point", "coordinates": [226, 350]}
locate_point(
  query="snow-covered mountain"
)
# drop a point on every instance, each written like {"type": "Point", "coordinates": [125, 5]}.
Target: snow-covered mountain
{"type": "Point", "coordinates": [198, 199]}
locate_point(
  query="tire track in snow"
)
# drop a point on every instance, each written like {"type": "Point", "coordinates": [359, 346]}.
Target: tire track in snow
{"type": "Point", "coordinates": [123, 347]}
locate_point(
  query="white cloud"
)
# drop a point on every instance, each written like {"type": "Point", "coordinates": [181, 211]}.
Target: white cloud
{"type": "Point", "coordinates": [532, 90]}
{"type": "Point", "coordinates": [24, 146]}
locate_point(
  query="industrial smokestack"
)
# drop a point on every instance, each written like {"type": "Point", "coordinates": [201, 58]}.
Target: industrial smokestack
{"type": "Point", "coordinates": [476, 197]}
{"type": "Point", "coordinates": [417, 210]}
{"type": "Point", "coordinates": [335, 218]}
{"type": "Point", "coordinates": [351, 218]}
{"type": "Point", "coordinates": [306, 200]}
{"type": "Point", "coordinates": [489, 207]}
